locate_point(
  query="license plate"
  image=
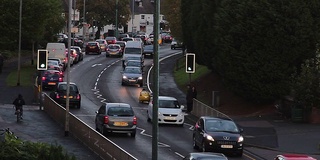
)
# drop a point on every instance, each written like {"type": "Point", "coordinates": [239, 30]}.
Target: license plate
{"type": "Point", "coordinates": [120, 124]}
{"type": "Point", "coordinates": [92, 47]}
{"type": "Point", "coordinates": [132, 80]}
{"type": "Point", "coordinates": [51, 83]}
{"type": "Point", "coordinates": [113, 52]}
{"type": "Point", "coordinates": [226, 146]}
{"type": "Point", "coordinates": [170, 118]}
{"type": "Point", "coordinates": [66, 96]}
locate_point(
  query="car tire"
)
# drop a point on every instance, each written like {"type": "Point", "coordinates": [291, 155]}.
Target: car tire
{"type": "Point", "coordinates": [203, 147]}
{"type": "Point", "coordinates": [149, 119]}
{"type": "Point", "coordinates": [180, 125]}
{"type": "Point", "coordinates": [122, 83]}
{"type": "Point", "coordinates": [195, 146]}
{"type": "Point", "coordinates": [133, 134]}
{"type": "Point", "coordinates": [103, 131]}
{"type": "Point", "coordinates": [79, 105]}
{"type": "Point", "coordinates": [141, 85]}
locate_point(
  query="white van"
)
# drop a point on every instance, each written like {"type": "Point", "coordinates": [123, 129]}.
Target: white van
{"type": "Point", "coordinates": [57, 50]}
{"type": "Point", "coordinates": [132, 48]}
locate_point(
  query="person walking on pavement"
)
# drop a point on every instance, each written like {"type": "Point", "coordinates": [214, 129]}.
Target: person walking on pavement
{"type": "Point", "coordinates": [189, 98]}
{"type": "Point", "coordinates": [18, 103]}
{"type": "Point", "coordinates": [194, 92]}
{"type": "Point", "coordinates": [1, 62]}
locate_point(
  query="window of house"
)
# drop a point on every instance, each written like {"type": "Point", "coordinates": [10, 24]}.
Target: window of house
{"type": "Point", "coordinates": [142, 16]}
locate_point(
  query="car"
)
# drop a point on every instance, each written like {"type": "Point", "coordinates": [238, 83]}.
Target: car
{"type": "Point", "coordinates": [126, 39]}
{"type": "Point", "coordinates": [176, 44]}
{"type": "Point", "coordinates": [167, 38]}
{"type": "Point", "coordinates": [59, 62]}
{"type": "Point", "coordinates": [116, 118]}
{"type": "Point", "coordinates": [135, 63]}
{"type": "Point", "coordinates": [293, 157]}
{"type": "Point", "coordinates": [93, 47]}
{"type": "Point", "coordinates": [55, 63]}
{"type": "Point", "coordinates": [132, 76]}
{"type": "Point", "coordinates": [144, 96]}
{"type": "Point", "coordinates": [78, 51]}
{"type": "Point", "coordinates": [148, 51]}
{"type": "Point", "coordinates": [205, 156]}
{"type": "Point", "coordinates": [60, 91]}
{"type": "Point", "coordinates": [61, 37]}
{"type": "Point", "coordinates": [218, 135]}
{"type": "Point", "coordinates": [170, 111]}
{"type": "Point", "coordinates": [121, 36]}
{"type": "Point", "coordinates": [55, 67]}
{"type": "Point", "coordinates": [139, 40]}
{"type": "Point", "coordinates": [103, 44]}
{"type": "Point", "coordinates": [50, 78]}
{"type": "Point", "coordinates": [144, 37]}
{"type": "Point", "coordinates": [114, 50]}
{"type": "Point", "coordinates": [72, 56]}
{"type": "Point", "coordinates": [122, 45]}
{"type": "Point", "coordinates": [76, 42]}
{"type": "Point", "coordinates": [132, 57]}
{"type": "Point", "coordinates": [111, 40]}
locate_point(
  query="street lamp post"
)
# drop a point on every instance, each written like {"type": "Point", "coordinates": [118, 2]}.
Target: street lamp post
{"type": "Point", "coordinates": [19, 52]}
{"type": "Point", "coordinates": [132, 16]}
{"type": "Point", "coordinates": [116, 18]}
{"type": "Point", "coordinates": [84, 21]}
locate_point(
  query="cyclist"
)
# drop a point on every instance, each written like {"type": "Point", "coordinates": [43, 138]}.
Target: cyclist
{"type": "Point", "coordinates": [18, 103]}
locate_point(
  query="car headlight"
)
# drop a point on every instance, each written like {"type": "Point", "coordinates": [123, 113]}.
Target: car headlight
{"type": "Point", "coordinates": [124, 77]}
{"type": "Point", "coordinates": [240, 139]}
{"type": "Point", "coordinates": [140, 78]}
{"type": "Point", "coordinates": [208, 137]}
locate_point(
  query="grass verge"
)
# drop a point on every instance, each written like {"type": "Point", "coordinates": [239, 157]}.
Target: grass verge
{"type": "Point", "coordinates": [182, 78]}
{"type": "Point", "coordinates": [27, 72]}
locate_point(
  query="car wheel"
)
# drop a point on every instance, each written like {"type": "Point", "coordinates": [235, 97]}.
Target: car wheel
{"type": "Point", "coordinates": [141, 85]}
{"type": "Point", "coordinates": [79, 105]}
{"type": "Point", "coordinates": [203, 147]}
{"type": "Point", "coordinates": [149, 119]}
{"type": "Point", "coordinates": [122, 83]}
{"type": "Point", "coordinates": [133, 134]}
{"type": "Point", "coordinates": [194, 143]}
{"type": "Point", "coordinates": [103, 131]}
{"type": "Point", "coordinates": [180, 125]}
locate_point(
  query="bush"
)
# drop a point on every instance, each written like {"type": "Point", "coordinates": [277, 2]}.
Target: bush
{"type": "Point", "coordinates": [14, 148]}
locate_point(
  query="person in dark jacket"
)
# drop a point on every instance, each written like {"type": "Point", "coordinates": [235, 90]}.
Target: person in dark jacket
{"type": "Point", "coordinates": [194, 92]}
{"type": "Point", "coordinates": [189, 99]}
{"type": "Point", "coordinates": [18, 103]}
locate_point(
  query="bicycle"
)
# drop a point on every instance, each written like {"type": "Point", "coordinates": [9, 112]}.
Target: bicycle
{"type": "Point", "coordinates": [18, 113]}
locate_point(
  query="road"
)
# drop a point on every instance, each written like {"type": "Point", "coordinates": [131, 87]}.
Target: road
{"type": "Point", "coordinates": [99, 79]}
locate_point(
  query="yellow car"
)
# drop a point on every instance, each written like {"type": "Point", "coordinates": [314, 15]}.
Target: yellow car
{"type": "Point", "coordinates": [144, 96]}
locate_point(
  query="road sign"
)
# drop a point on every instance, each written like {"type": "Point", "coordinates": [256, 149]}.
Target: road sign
{"type": "Point", "coordinates": [42, 62]}
{"type": "Point", "coordinates": [190, 63]}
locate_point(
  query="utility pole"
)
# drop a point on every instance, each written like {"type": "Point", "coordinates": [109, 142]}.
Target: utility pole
{"type": "Point", "coordinates": [155, 127]}
{"type": "Point", "coordinates": [84, 24]}
{"type": "Point", "coordinates": [117, 19]}
{"type": "Point", "coordinates": [132, 16]}
{"type": "Point", "coordinates": [19, 52]}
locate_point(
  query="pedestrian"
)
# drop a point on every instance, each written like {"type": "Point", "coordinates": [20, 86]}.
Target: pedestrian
{"type": "Point", "coordinates": [194, 92]}
{"type": "Point", "coordinates": [189, 98]}
{"type": "Point", "coordinates": [1, 62]}
{"type": "Point", "coordinates": [18, 103]}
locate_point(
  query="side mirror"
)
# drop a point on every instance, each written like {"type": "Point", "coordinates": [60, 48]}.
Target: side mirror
{"type": "Point", "coordinates": [240, 130]}
{"type": "Point", "coordinates": [96, 112]}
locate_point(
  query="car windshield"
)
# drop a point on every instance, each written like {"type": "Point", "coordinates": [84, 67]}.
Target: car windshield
{"type": "Point", "coordinates": [148, 47]}
{"type": "Point", "coordinates": [132, 70]}
{"type": "Point", "coordinates": [100, 42]}
{"type": "Point", "coordinates": [221, 126]}
{"type": "Point", "coordinates": [120, 111]}
{"type": "Point", "coordinates": [169, 104]}
{"type": "Point", "coordinates": [134, 63]}
{"type": "Point", "coordinates": [133, 51]}
{"type": "Point", "coordinates": [53, 63]}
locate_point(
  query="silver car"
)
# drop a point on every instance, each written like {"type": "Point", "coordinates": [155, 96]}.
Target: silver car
{"type": "Point", "coordinates": [117, 118]}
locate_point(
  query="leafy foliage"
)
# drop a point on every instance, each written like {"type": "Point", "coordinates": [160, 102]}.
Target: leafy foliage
{"type": "Point", "coordinates": [13, 148]}
{"type": "Point", "coordinates": [254, 46]}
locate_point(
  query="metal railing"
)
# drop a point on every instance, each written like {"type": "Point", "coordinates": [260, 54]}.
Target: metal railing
{"type": "Point", "coordinates": [201, 109]}
{"type": "Point", "coordinates": [99, 144]}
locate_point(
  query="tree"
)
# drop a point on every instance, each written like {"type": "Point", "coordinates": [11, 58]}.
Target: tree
{"type": "Point", "coordinates": [171, 10]}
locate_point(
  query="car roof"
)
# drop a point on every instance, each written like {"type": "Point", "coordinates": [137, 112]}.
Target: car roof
{"type": "Point", "coordinates": [72, 83]}
{"type": "Point", "coordinates": [114, 45]}
{"type": "Point", "coordinates": [296, 156]}
{"type": "Point", "coordinates": [117, 105]}
{"type": "Point", "coordinates": [216, 118]}
{"type": "Point", "coordinates": [166, 98]}
{"type": "Point", "coordinates": [209, 154]}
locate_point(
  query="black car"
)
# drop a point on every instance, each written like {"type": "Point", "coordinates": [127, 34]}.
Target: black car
{"type": "Point", "coordinates": [132, 76]}
{"type": "Point", "coordinates": [148, 51]}
{"type": "Point", "coordinates": [218, 135]}
{"type": "Point", "coordinates": [60, 91]}
{"type": "Point", "coordinates": [205, 156]}
{"type": "Point", "coordinates": [50, 78]}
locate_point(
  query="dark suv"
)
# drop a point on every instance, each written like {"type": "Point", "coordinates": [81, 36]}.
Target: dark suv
{"type": "Point", "coordinates": [93, 47]}
{"type": "Point", "coordinates": [60, 92]}
{"type": "Point", "coordinates": [218, 135]}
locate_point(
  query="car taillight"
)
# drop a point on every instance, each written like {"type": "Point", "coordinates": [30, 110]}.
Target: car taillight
{"type": "Point", "coordinates": [60, 79]}
{"type": "Point", "coordinates": [57, 96]}
{"type": "Point", "coordinates": [134, 120]}
{"type": "Point", "coordinates": [106, 119]}
{"type": "Point", "coordinates": [43, 78]}
{"type": "Point", "coordinates": [78, 96]}
{"type": "Point", "coordinates": [113, 41]}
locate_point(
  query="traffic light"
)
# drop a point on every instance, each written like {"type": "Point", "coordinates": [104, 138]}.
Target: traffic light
{"type": "Point", "coordinates": [42, 63]}
{"type": "Point", "coordinates": [190, 63]}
